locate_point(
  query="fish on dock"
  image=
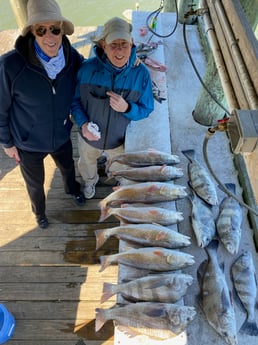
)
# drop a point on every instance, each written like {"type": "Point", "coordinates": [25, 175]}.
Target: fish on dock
{"type": "Point", "coordinates": [144, 317]}
{"type": "Point", "coordinates": [145, 235]}
{"type": "Point", "coordinates": [145, 192]}
{"type": "Point", "coordinates": [202, 221]}
{"type": "Point", "coordinates": [144, 214]}
{"type": "Point", "coordinates": [149, 258]}
{"type": "Point", "coordinates": [215, 299]}
{"type": "Point", "coordinates": [229, 221]}
{"type": "Point", "coordinates": [166, 288]}
{"type": "Point", "coordinates": [150, 173]}
{"type": "Point", "coordinates": [245, 284]}
{"type": "Point", "coordinates": [143, 158]}
{"type": "Point", "coordinates": [200, 179]}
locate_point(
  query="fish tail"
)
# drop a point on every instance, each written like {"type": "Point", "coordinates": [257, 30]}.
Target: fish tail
{"type": "Point", "coordinates": [190, 154]}
{"type": "Point", "coordinates": [103, 214]}
{"type": "Point", "coordinates": [100, 238]}
{"type": "Point", "coordinates": [108, 291]}
{"type": "Point", "coordinates": [249, 327]}
{"type": "Point", "coordinates": [100, 319]}
{"type": "Point", "coordinates": [105, 262]}
{"type": "Point", "coordinates": [108, 164]}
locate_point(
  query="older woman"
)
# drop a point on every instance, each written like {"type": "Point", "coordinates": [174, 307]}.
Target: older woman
{"type": "Point", "coordinates": [37, 85]}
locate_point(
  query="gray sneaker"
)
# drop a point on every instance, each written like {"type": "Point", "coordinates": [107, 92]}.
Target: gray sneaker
{"type": "Point", "coordinates": [89, 189]}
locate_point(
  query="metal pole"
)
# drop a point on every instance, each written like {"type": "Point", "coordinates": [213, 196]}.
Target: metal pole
{"type": "Point", "coordinates": [19, 8]}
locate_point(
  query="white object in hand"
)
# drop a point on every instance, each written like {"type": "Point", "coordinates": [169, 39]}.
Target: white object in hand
{"type": "Point", "coordinates": [94, 129]}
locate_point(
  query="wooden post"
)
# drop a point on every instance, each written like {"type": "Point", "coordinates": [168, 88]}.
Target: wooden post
{"type": "Point", "coordinates": [19, 8]}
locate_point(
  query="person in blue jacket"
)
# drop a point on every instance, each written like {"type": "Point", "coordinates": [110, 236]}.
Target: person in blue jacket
{"type": "Point", "coordinates": [37, 81]}
{"type": "Point", "coordinates": [113, 88]}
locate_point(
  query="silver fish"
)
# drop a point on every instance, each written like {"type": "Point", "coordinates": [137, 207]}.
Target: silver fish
{"type": "Point", "coordinates": [200, 179]}
{"type": "Point", "coordinates": [144, 214]}
{"type": "Point", "coordinates": [150, 173]}
{"type": "Point", "coordinates": [145, 316]}
{"type": "Point", "coordinates": [145, 235]}
{"type": "Point", "coordinates": [143, 158]}
{"type": "Point", "coordinates": [145, 192]}
{"type": "Point", "coordinates": [229, 222]}
{"type": "Point", "coordinates": [149, 258]}
{"type": "Point", "coordinates": [215, 298]}
{"type": "Point", "coordinates": [166, 288]}
{"type": "Point", "coordinates": [202, 220]}
{"type": "Point", "coordinates": [245, 283]}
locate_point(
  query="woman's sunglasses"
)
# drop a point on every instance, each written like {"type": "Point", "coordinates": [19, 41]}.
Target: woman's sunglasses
{"type": "Point", "coordinates": [42, 30]}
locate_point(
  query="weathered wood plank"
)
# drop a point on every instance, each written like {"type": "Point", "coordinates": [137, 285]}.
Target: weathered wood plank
{"type": "Point", "coordinates": [57, 274]}
{"type": "Point", "coordinates": [60, 310]}
{"type": "Point", "coordinates": [60, 330]}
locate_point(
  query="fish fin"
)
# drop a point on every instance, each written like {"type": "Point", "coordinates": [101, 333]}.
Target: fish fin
{"type": "Point", "coordinates": [100, 319]}
{"type": "Point", "coordinates": [107, 292]}
{"type": "Point", "coordinates": [108, 165]}
{"type": "Point", "coordinates": [104, 261]}
{"type": "Point", "coordinates": [100, 238]}
{"type": "Point", "coordinates": [103, 214]}
{"type": "Point", "coordinates": [249, 327]}
{"type": "Point", "coordinates": [190, 154]}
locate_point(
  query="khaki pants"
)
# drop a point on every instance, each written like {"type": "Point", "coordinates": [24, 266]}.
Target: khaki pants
{"type": "Point", "coordinates": [87, 163]}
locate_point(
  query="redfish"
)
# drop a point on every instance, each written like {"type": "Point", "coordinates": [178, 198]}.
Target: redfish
{"type": "Point", "coordinates": [145, 192]}
{"type": "Point", "coordinates": [145, 235]}
{"type": "Point", "coordinates": [144, 158]}
{"type": "Point", "coordinates": [144, 214]}
{"type": "Point", "coordinates": [149, 258]}
{"type": "Point", "coordinates": [150, 173]}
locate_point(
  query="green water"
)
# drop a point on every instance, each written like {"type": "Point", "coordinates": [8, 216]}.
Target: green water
{"type": "Point", "coordinates": [83, 12]}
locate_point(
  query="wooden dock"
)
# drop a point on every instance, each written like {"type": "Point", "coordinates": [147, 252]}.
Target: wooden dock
{"type": "Point", "coordinates": [49, 279]}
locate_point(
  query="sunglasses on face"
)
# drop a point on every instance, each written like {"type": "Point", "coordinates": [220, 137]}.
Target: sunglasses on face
{"type": "Point", "coordinates": [42, 30]}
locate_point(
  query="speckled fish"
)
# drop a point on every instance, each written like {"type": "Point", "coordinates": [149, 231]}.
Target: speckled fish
{"type": "Point", "coordinates": [149, 258]}
{"type": "Point", "coordinates": [229, 222]}
{"type": "Point", "coordinates": [200, 179]}
{"type": "Point", "coordinates": [166, 288]}
{"type": "Point", "coordinates": [215, 298]}
{"type": "Point", "coordinates": [245, 283]}
{"type": "Point", "coordinates": [145, 192]}
{"type": "Point", "coordinates": [145, 235]}
{"type": "Point", "coordinates": [143, 158]}
{"type": "Point", "coordinates": [202, 220]}
{"type": "Point", "coordinates": [150, 173]}
{"type": "Point", "coordinates": [172, 319]}
{"type": "Point", "coordinates": [144, 214]}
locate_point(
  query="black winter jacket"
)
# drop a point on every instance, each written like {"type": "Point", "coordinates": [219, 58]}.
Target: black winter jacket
{"type": "Point", "coordinates": [35, 110]}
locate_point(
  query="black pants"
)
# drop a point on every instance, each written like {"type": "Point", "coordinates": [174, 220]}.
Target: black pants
{"type": "Point", "coordinates": [33, 172]}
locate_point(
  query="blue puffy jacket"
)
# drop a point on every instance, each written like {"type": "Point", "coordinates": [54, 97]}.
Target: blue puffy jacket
{"type": "Point", "coordinates": [95, 78]}
{"type": "Point", "coordinates": [34, 110]}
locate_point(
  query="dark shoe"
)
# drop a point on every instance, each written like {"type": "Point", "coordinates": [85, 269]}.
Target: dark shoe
{"type": "Point", "coordinates": [79, 199]}
{"type": "Point", "coordinates": [42, 222]}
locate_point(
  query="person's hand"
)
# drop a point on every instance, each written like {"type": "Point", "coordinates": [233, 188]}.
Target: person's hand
{"type": "Point", "coordinates": [87, 134]}
{"type": "Point", "coordinates": [12, 152]}
{"type": "Point", "coordinates": [117, 102]}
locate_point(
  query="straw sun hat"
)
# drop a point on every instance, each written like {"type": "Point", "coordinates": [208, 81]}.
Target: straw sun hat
{"type": "Point", "coordinates": [40, 11]}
